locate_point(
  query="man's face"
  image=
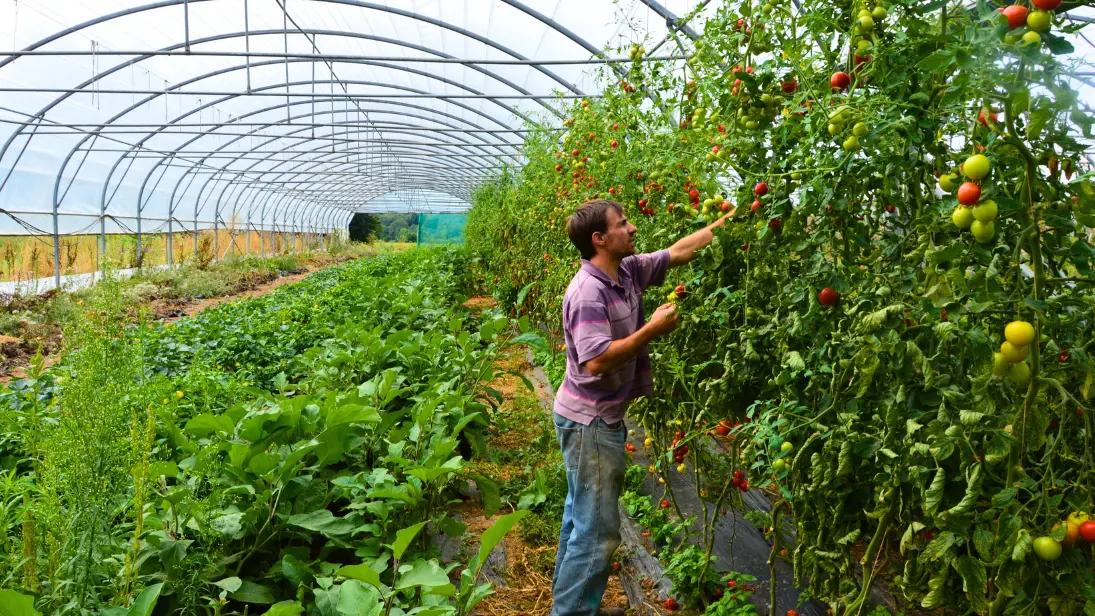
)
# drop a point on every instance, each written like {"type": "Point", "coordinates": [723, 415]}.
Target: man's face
{"type": "Point", "coordinates": [619, 239]}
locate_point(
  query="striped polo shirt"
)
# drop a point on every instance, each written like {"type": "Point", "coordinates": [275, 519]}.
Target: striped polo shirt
{"type": "Point", "coordinates": [596, 311]}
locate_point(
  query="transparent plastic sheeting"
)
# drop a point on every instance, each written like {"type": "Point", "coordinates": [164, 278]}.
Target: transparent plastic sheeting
{"type": "Point", "coordinates": [341, 106]}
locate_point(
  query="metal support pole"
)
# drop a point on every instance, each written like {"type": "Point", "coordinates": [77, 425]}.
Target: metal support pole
{"type": "Point", "coordinates": [186, 23]}
{"type": "Point", "coordinates": [247, 41]}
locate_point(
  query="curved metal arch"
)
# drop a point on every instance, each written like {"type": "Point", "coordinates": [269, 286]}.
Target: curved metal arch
{"type": "Point", "coordinates": [410, 129]}
{"type": "Point", "coordinates": [167, 3]}
{"type": "Point", "coordinates": [408, 149]}
{"type": "Point", "coordinates": [369, 100]}
{"type": "Point", "coordinates": [375, 110]}
{"type": "Point", "coordinates": [354, 181]}
{"type": "Point", "coordinates": [444, 171]}
{"type": "Point", "coordinates": [141, 142]}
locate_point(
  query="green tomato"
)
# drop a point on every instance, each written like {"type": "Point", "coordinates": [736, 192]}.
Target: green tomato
{"type": "Point", "coordinates": [752, 125]}
{"type": "Point", "coordinates": [1032, 38]}
{"type": "Point", "coordinates": [879, 13]}
{"type": "Point", "coordinates": [962, 217]}
{"type": "Point", "coordinates": [779, 466]}
{"type": "Point", "coordinates": [863, 46]}
{"type": "Point", "coordinates": [1039, 21]}
{"type": "Point", "coordinates": [851, 144]}
{"type": "Point", "coordinates": [976, 167]}
{"type": "Point", "coordinates": [860, 129]}
{"type": "Point", "coordinates": [866, 23]}
{"type": "Point", "coordinates": [985, 211]}
{"type": "Point", "coordinates": [863, 13]}
{"type": "Point", "coordinates": [983, 232]}
{"type": "Point", "coordinates": [835, 129]}
{"type": "Point", "coordinates": [787, 446]}
{"type": "Point", "coordinates": [1047, 548]}
{"type": "Point", "coordinates": [1019, 374]}
{"type": "Point", "coordinates": [1000, 364]}
{"type": "Point", "coordinates": [949, 182]}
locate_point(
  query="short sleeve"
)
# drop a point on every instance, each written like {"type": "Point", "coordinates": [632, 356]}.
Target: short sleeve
{"type": "Point", "coordinates": [647, 270]}
{"type": "Point", "coordinates": [590, 329]}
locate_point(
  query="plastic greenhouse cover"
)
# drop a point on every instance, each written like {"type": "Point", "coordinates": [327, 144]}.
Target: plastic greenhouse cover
{"type": "Point", "coordinates": [105, 134]}
{"type": "Point", "coordinates": [291, 114]}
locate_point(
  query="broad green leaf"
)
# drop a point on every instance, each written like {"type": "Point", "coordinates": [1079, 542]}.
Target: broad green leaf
{"type": "Point", "coordinates": [15, 604]}
{"type": "Point", "coordinates": [363, 573]}
{"type": "Point", "coordinates": [162, 469]}
{"type": "Point", "coordinates": [532, 339]}
{"type": "Point", "coordinates": [250, 592]}
{"type": "Point", "coordinates": [352, 413]}
{"type": "Point", "coordinates": [357, 599]}
{"type": "Point", "coordinates": [974, 578]}
{"type": "Point", "coordinates": [285, 608]}
{"type": "Point", "coordinates": [403, 538]}
{"type": "Point", "coordinates": [494, 534]}
{"type": "Point", "coordinates": [324, 522]}
{"type": "Point", "coordinates": [263, 463]}
{"type": "Point", "coordinates": [207, 424]}
{"type": "Point", "coordinates": [427, 574]}
{"type": "Point", "coordinates": [231, 584]}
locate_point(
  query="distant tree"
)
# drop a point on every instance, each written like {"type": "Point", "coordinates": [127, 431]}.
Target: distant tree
{"type": "Point", "coordinates": [365, 228]}
{"type": "Point", "coordinates": [399, 227]}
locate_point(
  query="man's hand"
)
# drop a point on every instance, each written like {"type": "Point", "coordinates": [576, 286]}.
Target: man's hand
{"type": "Point", "coordinates": [665, 319]}
{"type": "Point", "coordinates": [722, 219]}
{"type": "Point", "coordinates": [686, 248]}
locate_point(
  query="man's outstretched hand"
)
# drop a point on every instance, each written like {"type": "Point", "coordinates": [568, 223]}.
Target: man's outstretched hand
{"type": "Point", "coordinates": [664, 319]}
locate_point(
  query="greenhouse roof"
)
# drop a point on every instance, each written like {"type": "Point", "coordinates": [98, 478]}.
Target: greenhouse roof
{"type": "Point", "coordinates": [191, 113]}
{"type": "Point", "coordinates": [187, 114]}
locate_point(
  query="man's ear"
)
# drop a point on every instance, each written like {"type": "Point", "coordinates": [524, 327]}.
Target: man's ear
{"type": "Point", "coordinates": [598, 238]}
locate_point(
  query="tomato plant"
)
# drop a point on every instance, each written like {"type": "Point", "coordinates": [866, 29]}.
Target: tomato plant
{"type": "Point", "coordinates": [923, 453]}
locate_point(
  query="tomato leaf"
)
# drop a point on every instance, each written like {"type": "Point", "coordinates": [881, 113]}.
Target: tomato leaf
{"type": "Point", "coordinates": [933, 497]}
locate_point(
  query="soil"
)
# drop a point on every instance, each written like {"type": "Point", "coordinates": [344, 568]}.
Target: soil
{"type": "Point", "coordinates": [528, 568]}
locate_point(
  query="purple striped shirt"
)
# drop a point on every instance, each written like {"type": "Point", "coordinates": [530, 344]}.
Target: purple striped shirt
{"type": "Point", "coordinates": [596, 311]}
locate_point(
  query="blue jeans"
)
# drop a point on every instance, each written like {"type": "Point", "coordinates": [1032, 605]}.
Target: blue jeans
{"type": "Point", "coordinates": [595, 462]}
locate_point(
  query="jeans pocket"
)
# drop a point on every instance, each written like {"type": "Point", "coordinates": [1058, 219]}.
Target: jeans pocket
{"type": "Point", "coordinates": [613, 435]}
{"type": "Point", "coordinates": [570, 443]}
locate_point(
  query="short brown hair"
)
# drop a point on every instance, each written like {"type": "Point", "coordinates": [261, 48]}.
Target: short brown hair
{"type": "Point", "coordinates": [589, 218]}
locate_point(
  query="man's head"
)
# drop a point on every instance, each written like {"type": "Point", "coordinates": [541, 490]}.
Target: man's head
{"type": "Point", "coordinates": [600, 226]}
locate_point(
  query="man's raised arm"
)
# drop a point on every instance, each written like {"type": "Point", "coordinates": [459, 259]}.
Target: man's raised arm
{"type": "Point", "coordinates": [686, 248]}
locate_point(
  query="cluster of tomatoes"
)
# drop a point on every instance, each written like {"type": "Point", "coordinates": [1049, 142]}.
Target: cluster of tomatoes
{"type": "Point", "coordinates": [1011, 359]}
{"type": "Point", "coordinates": [741, 482]}
{"type": "Point", "coordinates": [1078, 525]}
{"type": "Point", "coordinates": [972, 213]}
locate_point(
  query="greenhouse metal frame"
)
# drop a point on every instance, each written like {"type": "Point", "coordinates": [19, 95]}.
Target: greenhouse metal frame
{"type": "Point", "coordinates": [287, 135]}
{"type": "Point", "coordinates": [337, 148]}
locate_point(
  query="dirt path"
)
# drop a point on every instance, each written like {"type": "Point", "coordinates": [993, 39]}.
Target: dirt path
{"type": "Point", "coordinates": [524, 442]}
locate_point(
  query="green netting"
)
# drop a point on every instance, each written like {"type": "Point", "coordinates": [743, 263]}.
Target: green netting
{"type": "Point", "coordinates": [441, 228]}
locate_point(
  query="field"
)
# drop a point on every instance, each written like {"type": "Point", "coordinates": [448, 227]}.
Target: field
{"type": "Point", "coordinates": [25, 258]}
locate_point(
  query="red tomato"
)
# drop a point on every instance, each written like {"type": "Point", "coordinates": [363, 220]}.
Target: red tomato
{"type": "Point", "coordinates": [840, 80]}
{"type": "Point", "coordinates": [1087, 531]}
{"type": "Point", "coordinates": [671, 604]}
{"type": "Point", "coordinates": [983, 120]}
{"type": "Point", "coordinates": [775, 224]}
{"type": "Point", "coordinates": [1046, 5]}
{"type": "Point", "coordinates": [665, 504]}
{"type": "Point", "coordinates": [1016, 14]}
{"type": "Point", "coordinates": [760, 189]}
{"type": "Point", "coordinates": [755, 206]}
{"type": "Point", "coordinates": [827, 297]}
{"type": "Point", "coordinates": [789, 86]}
{"type": "Point", "coordinates": [614, 144]}
{"type": "Point", "coordinates": [969, 193]}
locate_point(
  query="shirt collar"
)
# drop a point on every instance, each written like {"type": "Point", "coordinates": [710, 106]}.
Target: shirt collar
{"type": "Point", "coordinates": [597, 273]}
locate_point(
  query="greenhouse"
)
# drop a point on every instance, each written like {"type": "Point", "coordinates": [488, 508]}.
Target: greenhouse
{"type": "Point", "coordinates": [547, 307]}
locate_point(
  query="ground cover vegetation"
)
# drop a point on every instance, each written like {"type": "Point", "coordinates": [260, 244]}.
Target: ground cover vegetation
{"type": "Point", "coordinates": [32, 322]}
{"type": "Point", "coordinates": [287, 454]}
{"type": "Point", "coordinates": [891, 336]}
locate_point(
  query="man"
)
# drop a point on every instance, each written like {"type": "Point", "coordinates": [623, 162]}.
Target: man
{"type": "Point", "coordinates": [607, 366]}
